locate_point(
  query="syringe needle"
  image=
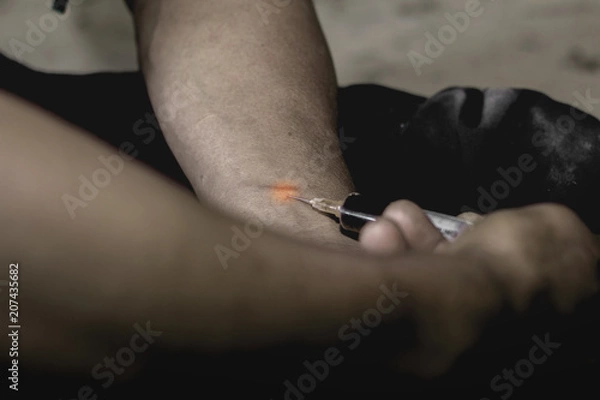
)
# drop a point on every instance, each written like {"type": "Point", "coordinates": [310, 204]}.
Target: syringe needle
{"type": "Point", "coordinates": [352, 215]}
{"type": "Point", "coordinates": [326, 206]}
{"type": "Point", "coordinates": [307, 201]}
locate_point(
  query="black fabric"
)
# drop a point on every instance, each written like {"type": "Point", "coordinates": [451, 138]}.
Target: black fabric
{"type": "Point", "coordinates": [441, 152]}
{"type": "Point", "coordinates": [60, 5]}
{"type": "Point", "coordinates": [460, 149]}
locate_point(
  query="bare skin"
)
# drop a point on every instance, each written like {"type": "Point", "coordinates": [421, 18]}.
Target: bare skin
{"type": "Point", "coordinates": [262, 109]}
{"type": "Point", "coordinates": [526, 251]}
{"type": "Point", "coordinates": [144, 247]}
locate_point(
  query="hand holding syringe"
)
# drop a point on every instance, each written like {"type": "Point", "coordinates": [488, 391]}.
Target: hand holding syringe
{"type": "Point", "coordinates": [355, 212]}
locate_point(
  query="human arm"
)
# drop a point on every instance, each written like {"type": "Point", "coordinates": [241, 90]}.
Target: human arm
{"type": "Point", "coordinates": [144, 250]}
{"type": "Point", "coordinates": [261, 105]}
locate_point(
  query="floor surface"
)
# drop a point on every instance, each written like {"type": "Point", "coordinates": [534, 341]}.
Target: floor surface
{"type": "Point", "coordinates": [548, 45]}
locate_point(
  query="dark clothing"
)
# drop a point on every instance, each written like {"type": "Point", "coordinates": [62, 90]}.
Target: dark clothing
{"type": "Point", "coordinates": [462, 149]}
{"type": "Point", "coordinates": [60, 5]}
{"type": "Point", "coordinates": [465, 149]}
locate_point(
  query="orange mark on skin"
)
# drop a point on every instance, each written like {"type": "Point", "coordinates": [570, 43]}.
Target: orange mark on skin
{"type": "Point", "coordinates": [281, 192]}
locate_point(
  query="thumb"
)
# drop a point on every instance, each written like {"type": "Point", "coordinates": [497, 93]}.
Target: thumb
{"type": "Point", "coordinates": [382, 237]}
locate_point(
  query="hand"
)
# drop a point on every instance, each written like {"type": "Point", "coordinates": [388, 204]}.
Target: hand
{"type": "Point", "coordinates": [403, 226]}
{"type": "Point", "coordinates": [509, 256]}
{"type": "Point", "coordinates": [542, 247]}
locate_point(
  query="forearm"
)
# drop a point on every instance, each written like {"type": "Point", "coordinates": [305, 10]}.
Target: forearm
{"type": "Point", "coordinates": [140, 250]}
{"type": "Point", "coordinates": [263, 109]}
{"type": "Point", "coordinates": [143, 250]}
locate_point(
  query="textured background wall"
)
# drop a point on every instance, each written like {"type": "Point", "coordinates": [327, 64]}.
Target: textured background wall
{"type": "Point", "coordinates": [549, 45]}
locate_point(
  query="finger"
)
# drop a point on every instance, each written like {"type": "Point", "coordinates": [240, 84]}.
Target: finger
{"type": "Point", "coordinates": [471, 217]}
{"type": "Point", "coordinates": [418, 231]}
{"type": "Point", "coordinates": [382, 237]}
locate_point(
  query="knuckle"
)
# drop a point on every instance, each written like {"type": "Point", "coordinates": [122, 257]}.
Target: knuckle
{"type": "Point", "coordinates": [414, 223]}
{"type": "Point", "coordinates": [401, 207]}
{"type": "Point", "coordinates": [559, 213]}
{"type": "Point", "coordinates": [401, 212]}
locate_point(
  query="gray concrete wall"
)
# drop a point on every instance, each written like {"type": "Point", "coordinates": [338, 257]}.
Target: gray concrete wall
{"type": "Point", "coordinates": [548, 45]}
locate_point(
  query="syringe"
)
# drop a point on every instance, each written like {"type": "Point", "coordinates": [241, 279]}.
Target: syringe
{"type": "Point", "coordinates": [356, 211]}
